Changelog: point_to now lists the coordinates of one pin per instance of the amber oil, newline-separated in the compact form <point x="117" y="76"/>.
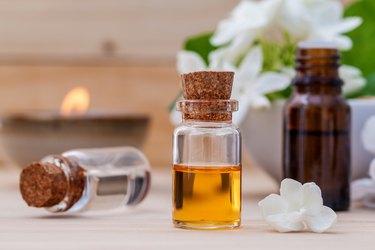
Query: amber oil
<point x="207" y="196"/>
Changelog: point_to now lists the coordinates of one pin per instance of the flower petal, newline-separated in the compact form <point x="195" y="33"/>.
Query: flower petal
<point x="291" y="191"/>
<point x="344" y="25"/>
<point x="251" y="65"/>
<point x="247" y="17"/>
<point x="372" y="170"/>
<point x="368" y="135"/>
<point x="188" y="61"/>
<point x="294" y="17"/>
<point x="217" y="59"/>
<point x="273" y="204"/>
<point x="312" y="198"/>
<point x="288" y="222"/>
<point x="361" y="188"/>
<point x="175" y="116"/>
<point x="352" y="77"/>
<point x="329" y="12"/>
<point x="258" y="101"/>
<point x="271" y="82"/>
<point x="321" y="221"/>
<point x="342" y="42"/>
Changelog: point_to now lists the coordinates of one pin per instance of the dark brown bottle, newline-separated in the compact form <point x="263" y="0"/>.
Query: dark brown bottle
<point x="317" y="125"/>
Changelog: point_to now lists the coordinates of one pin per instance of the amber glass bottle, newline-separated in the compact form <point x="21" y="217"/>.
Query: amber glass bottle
<point x="317" y="125"/>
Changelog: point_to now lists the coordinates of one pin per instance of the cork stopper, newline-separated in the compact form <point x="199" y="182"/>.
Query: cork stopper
<point x="207" y="85"/>
<point x="43" y="184"/>
<point x="207" y="96"/>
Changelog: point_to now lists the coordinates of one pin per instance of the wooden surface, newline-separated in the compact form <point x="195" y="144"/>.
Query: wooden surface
<point x="149" y="225"/>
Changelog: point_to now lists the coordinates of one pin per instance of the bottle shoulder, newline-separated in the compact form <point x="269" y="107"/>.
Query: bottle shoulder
<point x="306" y="100"/>
<point x="113" y="158"/>
<point x="207" y="128"/>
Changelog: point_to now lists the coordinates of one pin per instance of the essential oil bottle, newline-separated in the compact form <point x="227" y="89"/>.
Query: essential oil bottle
<point x="317" y="125"/>
<point x="87" y="179"/>
<point x="207" y="155"/>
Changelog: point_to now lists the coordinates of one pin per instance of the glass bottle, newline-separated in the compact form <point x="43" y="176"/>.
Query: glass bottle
<point x="317" y="125"/>
<point x="206" y="161"/>
<point x="87" y="179"/>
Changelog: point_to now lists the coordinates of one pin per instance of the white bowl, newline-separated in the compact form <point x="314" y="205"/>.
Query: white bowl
<point x="262" y="136"/>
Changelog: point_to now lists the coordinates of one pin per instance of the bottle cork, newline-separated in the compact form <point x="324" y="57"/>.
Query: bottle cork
<point x="207" y="96"/>
<point x="207" y="85"/>
<point x="43" y="185"/>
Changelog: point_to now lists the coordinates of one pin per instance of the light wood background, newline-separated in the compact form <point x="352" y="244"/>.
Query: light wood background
<point x="134" y="31"/>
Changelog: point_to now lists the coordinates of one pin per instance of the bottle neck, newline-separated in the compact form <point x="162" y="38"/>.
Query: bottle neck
<point x="207" y="123"/>
<point x="317" y="89"/>
<point x="317" y="66"/>
<point x="219" y="118"/>
<point x="213" y="111"/>
<point x="76" y="182"/>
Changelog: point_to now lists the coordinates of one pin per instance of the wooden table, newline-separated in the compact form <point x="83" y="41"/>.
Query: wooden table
<point x="149" y="225"/>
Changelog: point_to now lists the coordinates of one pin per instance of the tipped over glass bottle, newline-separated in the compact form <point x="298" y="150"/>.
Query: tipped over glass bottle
<point x="317" y="125"/>
<point x="87" y="179"/>
<point x="207" y="155"/>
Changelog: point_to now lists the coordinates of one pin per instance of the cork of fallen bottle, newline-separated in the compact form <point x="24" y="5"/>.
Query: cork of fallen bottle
<point x="207" y="85"/>
<point x="46" y="185"/>
<point x="43" y="185"/>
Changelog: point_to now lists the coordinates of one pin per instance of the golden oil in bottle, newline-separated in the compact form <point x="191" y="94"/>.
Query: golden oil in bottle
<point x="207" y="154"/>
<point x="207" y="196"/>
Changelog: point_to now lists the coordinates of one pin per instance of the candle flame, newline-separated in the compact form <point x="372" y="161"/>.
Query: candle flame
<point x="76" y="102"/>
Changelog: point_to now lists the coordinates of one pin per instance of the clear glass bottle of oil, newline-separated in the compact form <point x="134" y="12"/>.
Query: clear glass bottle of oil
<point x="207" y="166"/>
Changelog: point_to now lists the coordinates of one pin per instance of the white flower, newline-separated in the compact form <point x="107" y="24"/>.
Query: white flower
<point x="368" y="135"/>
<point x="188" y="61"/>
<point x="364" y="189"/>
<point x="352" y="77"/>
<point x="317" y="20"/>
<point x="302" y="19"/>
<point x="232" y="53"/>
<point x="246" y="19"/>
<point x="251" y="85"/>
<point x="296" y="208"/>
<point x="328" y="24"/>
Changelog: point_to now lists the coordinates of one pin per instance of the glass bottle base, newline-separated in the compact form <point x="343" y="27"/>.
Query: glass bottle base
<point x="207" y="225"/>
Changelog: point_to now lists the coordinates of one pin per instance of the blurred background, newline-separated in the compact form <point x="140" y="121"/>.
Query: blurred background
<point x="122" y="51"/>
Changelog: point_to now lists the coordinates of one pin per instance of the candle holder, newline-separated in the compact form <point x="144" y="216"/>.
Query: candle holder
<point x="27" y="137"/>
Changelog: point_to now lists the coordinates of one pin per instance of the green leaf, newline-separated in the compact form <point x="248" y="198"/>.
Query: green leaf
<point x="200" y="44"/>
<point x="282" y="94"/>
<point x="363" y="51"/>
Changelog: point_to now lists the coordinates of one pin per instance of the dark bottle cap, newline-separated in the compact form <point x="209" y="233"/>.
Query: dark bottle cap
<point x="43" y="184"/>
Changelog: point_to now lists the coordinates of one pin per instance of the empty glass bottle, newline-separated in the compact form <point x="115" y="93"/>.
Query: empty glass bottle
<point x="317" y="125"/>
<point x="84" y="179"/>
